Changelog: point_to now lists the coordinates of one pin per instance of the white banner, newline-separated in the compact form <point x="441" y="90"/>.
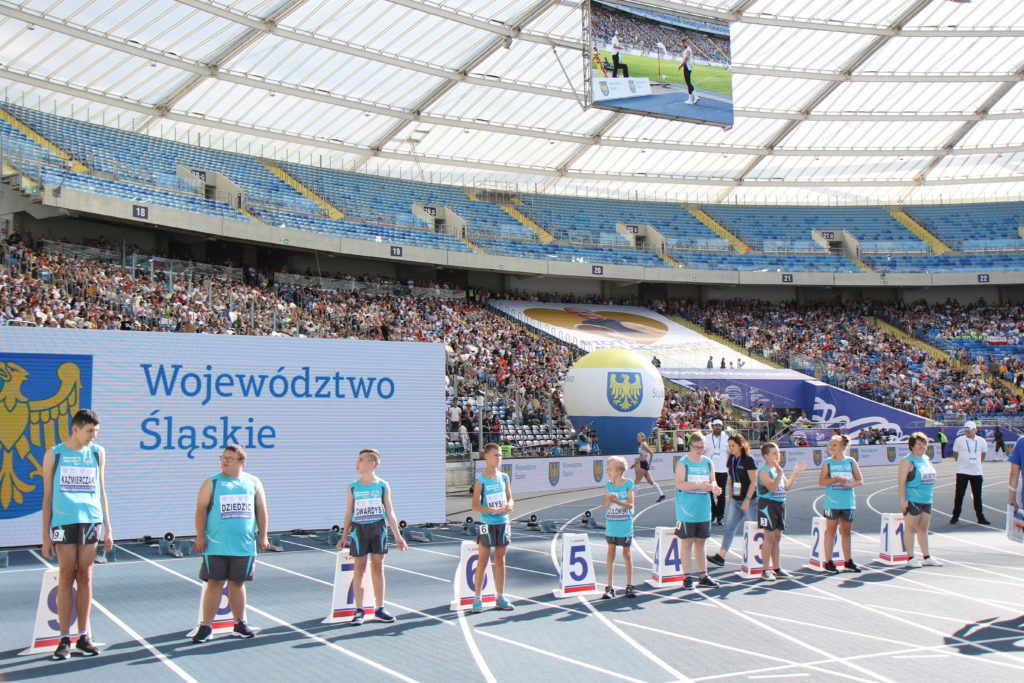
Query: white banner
<point x="169" y="403"/>
<point x="591" y="327"/>
<point x="616" y="88"/>
<point x="531" y="475"/>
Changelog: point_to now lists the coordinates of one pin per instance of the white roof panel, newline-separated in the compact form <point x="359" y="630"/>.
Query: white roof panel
<point x="854" y="101"/>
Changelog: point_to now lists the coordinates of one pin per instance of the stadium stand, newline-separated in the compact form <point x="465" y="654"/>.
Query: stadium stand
<point x="985" y="237"/>
<point x="974" y="227"/>
<point x="852" y="353"/>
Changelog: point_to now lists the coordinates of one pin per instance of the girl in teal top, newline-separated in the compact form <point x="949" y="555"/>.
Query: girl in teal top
<point x="839" y="475"/>
<point x="492" y="498"/>
<point x="772" y="485"/>
<point x="695" y="480"/>
<point x="915" y="481"/>
<point x="619" y="502"/>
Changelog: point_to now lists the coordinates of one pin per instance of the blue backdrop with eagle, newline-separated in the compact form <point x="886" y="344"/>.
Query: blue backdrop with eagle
<point x="39" y="394"/>
<point x="616" y="392"/>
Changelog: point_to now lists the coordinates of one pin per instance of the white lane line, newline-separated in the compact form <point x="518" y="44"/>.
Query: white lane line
<point x="386" y="566"/>
<point x="282" y="622"/>
<point x="797" y="641"/>
<point x="888" y="614"/>
<point x="184" y="675"/>
<point x="873" y="655"/>
<point x="650" y="656"/>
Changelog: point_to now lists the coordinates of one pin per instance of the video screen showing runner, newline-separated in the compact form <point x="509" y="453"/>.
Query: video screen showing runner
<point x="645" y="60"/>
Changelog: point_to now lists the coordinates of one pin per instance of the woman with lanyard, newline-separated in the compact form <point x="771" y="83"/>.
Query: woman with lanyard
<point x="839" y="474"/>
<point x="742" y="471"/>
<point x="916" y="479"/>
<point x="771" y="507"/>
<point x="642" y="465"/>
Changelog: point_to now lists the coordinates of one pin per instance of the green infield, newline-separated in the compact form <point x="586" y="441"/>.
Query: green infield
<point x="716" y="79"/>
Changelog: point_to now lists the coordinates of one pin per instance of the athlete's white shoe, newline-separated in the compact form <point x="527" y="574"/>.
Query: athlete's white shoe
<point x="914" y="563"/>
<point x="931" y="562"/>
<point x="696" y="98"/>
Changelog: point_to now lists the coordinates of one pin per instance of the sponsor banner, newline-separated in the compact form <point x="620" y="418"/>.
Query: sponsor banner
<point x="616" y="88"/>
<point x="532" y="475"/>
<point x="170" y="403"/>
<point x="822" y="403"/>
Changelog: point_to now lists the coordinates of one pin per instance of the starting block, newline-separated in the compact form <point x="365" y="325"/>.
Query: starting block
<point x="532" y="522"/>
<point x="465" y="577"/>
<point x="549" y="527"/>
<point x="223" y="621"/>
<point x="667" y="561"/>
<point x="343" y="597"/>
<point x="418" y="535"/>
<point x="334" y="535"/>
<point x="472" y="530"/>
<point x="589" y="520"/>
<point x="275" y="543"/>
<point x="753" y="564"/>
<point x="577" y="576"/>
<point x="816" y="560"/>
<point x="4" y="558"/>
<point x="167" y="546"/>
<point x="46" y="632"/>
<point x="893" y="545"/>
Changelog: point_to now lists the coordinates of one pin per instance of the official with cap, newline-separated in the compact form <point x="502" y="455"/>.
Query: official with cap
<point x="969" y="452"/>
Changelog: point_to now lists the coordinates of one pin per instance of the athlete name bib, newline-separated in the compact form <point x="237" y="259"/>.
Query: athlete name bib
<point x="616" y="512"/>
<point x="698" y="479"/>
<point x="236" y="506"/>
<point x="78" y="479"/>
<point x="846" y="477"/>
<point x="927" y="476"/>
<point x="496" y="500"/>
<point x="368" y="509"/>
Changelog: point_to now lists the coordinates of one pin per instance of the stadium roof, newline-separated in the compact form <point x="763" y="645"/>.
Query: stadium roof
<point x="843" y="102"/>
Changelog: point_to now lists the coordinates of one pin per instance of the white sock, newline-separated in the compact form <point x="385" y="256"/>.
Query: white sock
<point x="658" y="489"/>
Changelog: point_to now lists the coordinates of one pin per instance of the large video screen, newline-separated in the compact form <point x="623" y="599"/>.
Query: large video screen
<point x="170" y="403"/>
<point x="651" y="61"/>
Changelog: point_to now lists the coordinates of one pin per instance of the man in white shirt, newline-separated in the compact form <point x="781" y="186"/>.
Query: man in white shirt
<point x="454" y="416"/>
<point x="617" y="63"/>
<point x="717" y="448"/>
<point x="969" y="452"/>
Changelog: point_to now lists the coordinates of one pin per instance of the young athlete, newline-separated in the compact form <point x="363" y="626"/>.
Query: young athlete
<point x="231" y="525"/>
<point x="695" y="479"/>
<point x="742" y="476"/>
<point x="365" y="532"/>
<point x="916" y="479"/>
<point x="772" y="485"/>
<point x="492" y="498"/>
<point x="642" y="465"/>
<point x="75" y="517"/>
<point x="839" y="474"/>
<point x="618" y="522"/>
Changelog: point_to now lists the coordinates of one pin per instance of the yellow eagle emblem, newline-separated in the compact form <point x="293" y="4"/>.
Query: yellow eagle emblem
<point x="25" y="423"/>
<point x="625" y="390"/>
